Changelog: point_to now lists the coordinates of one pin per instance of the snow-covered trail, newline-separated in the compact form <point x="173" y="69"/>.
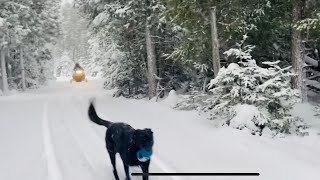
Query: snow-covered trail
<point x="45" y="134"/>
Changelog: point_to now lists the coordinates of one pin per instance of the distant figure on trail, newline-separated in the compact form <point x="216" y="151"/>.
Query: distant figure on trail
<point x="77" y="67"/>
<point x="78" y="74"/>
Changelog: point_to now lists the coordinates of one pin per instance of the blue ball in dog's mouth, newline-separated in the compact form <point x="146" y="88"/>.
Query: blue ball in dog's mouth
<point x="143" y="155"/>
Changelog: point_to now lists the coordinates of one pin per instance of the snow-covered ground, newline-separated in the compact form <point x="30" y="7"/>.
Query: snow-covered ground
<point x="45" y="134"/>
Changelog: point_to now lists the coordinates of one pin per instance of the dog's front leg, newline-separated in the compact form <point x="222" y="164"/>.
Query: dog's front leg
<point x="126" y="169"/>
<point x="145" y="169"/>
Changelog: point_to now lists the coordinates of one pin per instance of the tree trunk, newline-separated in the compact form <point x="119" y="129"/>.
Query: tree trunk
<point x="4" y="71"/>
<point x="215" y="42"/>
<point x="205" y="83"/>
<point x="23" y="76"/>
<point x="73" y="54"/>
<point x="9" y="67"/>
<point x="297" y="57"/>
<point x="152" y="66"/>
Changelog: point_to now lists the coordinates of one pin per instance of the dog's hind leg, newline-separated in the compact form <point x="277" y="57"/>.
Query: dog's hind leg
<point x="113" y="162"/>
<point x="145" y="169"/>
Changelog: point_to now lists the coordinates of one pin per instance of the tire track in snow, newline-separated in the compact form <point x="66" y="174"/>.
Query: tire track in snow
<point x="70" y="156"/>
<point x="75" y="140"/>
<point x="82" y="140"/>
<point x="54" y="172"/>
<point x="159" y="163"/>
<point x="91" y="125"/>
<point x="155" y="159"/>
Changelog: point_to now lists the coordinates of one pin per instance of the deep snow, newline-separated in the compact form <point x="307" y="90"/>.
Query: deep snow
<point x="45" y="134"/>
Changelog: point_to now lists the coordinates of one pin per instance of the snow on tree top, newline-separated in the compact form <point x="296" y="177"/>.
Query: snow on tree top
<point x="233" y="66"/>
<point x="122" y="10"/>
<point x="100" y="19"/>
<point x="246" y="116"/>
<point x="271" y="63"/>
<point x="1" y="22"/>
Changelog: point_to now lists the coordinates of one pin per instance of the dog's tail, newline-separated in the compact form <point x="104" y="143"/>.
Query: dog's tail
<point x="95" y="118"/>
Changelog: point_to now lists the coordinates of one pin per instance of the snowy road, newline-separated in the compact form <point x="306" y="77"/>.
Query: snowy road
<point x="45" y="134"/>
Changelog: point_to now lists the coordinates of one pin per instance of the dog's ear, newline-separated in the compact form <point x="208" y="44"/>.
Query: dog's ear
<point x="149" y="131"/>
<point x="146" y="131"/>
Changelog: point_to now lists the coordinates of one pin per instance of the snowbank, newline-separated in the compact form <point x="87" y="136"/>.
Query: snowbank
<point x="171" y="100"/>
<point x="306" y="111"/>
<point x="245" y="117"/>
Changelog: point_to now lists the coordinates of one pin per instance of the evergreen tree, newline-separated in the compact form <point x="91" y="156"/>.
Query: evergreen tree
<point x="31" y="26"/>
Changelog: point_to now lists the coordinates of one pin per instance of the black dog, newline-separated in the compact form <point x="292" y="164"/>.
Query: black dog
<point x="128" y="142"/>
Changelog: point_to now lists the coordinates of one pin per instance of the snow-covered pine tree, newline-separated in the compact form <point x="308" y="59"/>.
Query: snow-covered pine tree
<point x="105" y="58"/>
<point x="308" y="23"/>
<point x="253" y="97"/>
<point x="31" y="25"/>
<point x="125" y="22"/>
<point x="65" y="66"/>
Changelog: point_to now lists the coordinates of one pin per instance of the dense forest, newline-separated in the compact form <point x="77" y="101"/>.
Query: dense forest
<point x="219" y="53"/>
<point x="27" y="28"/>
<point x="164" y="45"/>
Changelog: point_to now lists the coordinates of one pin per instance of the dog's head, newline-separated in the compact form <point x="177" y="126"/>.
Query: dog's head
<point x="144" y="139"/>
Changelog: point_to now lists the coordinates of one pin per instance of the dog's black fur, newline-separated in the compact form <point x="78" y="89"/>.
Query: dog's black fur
<point x="123" y="139"/>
